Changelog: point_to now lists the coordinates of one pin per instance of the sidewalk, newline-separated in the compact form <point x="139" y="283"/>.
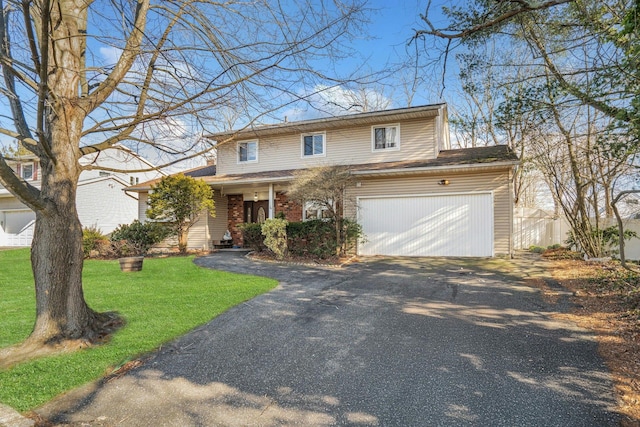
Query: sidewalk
<point x="9" y="417"/>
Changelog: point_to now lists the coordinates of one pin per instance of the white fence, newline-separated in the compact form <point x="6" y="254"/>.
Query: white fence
<point x="535" y="228"/>
<point x="536" y="231"/>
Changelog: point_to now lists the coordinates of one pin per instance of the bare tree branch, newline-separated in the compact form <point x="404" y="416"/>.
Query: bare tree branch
<point x="489" y="22"/>
<point x="129" y="54"/>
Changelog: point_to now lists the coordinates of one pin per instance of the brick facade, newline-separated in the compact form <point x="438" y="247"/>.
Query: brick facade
<point x="235" y="216"/>
<point x="291" y="209"/>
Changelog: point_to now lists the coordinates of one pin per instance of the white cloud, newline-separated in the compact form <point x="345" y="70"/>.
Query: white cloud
<point x="337" y="100"/>
<point x="110" y="54"/>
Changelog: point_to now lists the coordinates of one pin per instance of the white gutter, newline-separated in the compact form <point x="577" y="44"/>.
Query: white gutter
<point x="456" y="168"/>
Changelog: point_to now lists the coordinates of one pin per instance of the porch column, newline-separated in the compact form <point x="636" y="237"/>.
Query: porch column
<point x="271" y="202"/>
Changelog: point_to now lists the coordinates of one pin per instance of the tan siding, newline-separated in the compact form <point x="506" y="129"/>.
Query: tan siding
<point x="209" y="228"/>
<point x="142" y="206"/>
<point x="218" y="224"/>
<point x="199" y="234"/>
<point x="343" y="146"/>
<point x="497" y="182"/>
<point x="205" y="230"/>
<point x="11" y="203"/>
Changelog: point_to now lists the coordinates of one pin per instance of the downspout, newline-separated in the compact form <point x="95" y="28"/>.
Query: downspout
<point x="437" y="137"/>
<point x="511" y="197"/>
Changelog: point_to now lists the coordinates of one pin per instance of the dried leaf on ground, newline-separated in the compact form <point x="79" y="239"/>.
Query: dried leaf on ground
<point x="607" y="300"/>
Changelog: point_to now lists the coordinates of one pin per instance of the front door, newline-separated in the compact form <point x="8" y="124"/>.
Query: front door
<point x="256" y="211"/>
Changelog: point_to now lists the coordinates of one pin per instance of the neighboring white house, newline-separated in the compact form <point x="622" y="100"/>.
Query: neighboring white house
<point x="101" y="199"/>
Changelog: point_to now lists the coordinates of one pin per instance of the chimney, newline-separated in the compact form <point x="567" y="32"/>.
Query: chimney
<point x="211" y="160"/>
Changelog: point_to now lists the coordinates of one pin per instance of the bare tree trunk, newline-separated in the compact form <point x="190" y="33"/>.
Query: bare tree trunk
<point x="56" y="258"/>
<point x="56" y="251"/>
<point x="579" y="216"/>
<point x="339" y="228"/>
<point x="614" y="207"/>
<point x="183" y="239"/>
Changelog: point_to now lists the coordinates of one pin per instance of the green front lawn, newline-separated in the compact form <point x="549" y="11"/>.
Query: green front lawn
<point x="169" y="297"/>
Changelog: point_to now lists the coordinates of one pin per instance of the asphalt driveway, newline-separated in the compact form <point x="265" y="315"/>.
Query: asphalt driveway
<point x="387" y="342"/>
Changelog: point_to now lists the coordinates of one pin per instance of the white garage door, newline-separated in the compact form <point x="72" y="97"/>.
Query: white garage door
<point x="451" y="225"/>
<point x="16" y="227"/>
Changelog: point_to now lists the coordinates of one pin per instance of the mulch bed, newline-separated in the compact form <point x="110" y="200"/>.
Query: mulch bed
<point x="303" y="260"/>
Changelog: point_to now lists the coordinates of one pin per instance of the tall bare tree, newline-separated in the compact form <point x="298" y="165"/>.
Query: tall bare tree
<point x="607" y="30"/>
<point x="480" y="118"/>
<point x="79" y="76"/>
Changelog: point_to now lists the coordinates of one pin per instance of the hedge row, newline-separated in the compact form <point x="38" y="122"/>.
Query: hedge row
<point x="316" y="238"/>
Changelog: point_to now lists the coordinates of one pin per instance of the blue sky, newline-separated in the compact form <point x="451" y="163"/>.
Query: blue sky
<point x="392" y="26"/>
<point x="383" y="43"/>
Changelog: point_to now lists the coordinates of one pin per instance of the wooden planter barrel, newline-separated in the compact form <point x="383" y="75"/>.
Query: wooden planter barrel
<point x="131" y="263"/>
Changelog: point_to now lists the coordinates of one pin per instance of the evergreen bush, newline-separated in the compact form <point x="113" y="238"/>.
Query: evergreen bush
<point x="138" y="237"/>
<point x="275" y="236"/>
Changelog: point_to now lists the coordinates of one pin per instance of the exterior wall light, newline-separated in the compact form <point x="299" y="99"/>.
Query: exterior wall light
<point x="255" y="196"/>
<point x="444" y="182"/>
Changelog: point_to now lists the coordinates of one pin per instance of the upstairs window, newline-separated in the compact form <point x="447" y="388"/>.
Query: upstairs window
<point x="385" y="137"/>
<point x="313" y="145"/>
<point x="27" y="172"/>
<point x="247" y="151"/>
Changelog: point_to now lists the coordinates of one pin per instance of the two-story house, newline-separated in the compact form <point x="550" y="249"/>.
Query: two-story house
<point x="415" y="196"/>
<point x="101" y="199"/>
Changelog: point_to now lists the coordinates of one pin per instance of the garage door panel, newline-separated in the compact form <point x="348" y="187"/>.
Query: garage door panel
<point x="17" y="222"/>
<point x="16" y="228"/>
<point x="452" y="225"/>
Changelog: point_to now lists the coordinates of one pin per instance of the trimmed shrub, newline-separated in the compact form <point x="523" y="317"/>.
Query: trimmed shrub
<point x="352" y="235"/>
<point x="137" y="238"/>
<point x="252" y="236"/>
<point x="275" y="236"/>
<point x="608" y="239"/>
<point x="93" y="241"/>
<point x="312" y="238"/>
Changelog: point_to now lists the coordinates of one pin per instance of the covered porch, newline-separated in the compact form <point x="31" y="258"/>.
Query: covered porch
<point x="251" y="202"/>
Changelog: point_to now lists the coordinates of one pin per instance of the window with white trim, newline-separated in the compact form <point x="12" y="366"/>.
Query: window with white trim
<point x="26" y="171"/>
<point x="247" y="151"/>
<point x="313" y="145"/>
<point x="386" y="137"/>
<point x="313" y="210"/>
